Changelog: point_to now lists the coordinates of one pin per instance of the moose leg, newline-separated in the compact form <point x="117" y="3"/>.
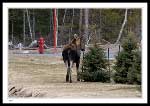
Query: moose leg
<point x="70" y="71"/>
<point x="67" y="75"/>
<point x="77" y="69"/>
<point x="70" y="75"/>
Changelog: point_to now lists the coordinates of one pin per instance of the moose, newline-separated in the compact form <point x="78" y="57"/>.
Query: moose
<point x="71" y="54"/>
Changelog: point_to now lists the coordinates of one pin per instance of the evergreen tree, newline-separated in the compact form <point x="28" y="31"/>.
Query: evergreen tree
<point x="94" y="65"/>
<point x="104" y="23"/>
<point x="128" y="65"/>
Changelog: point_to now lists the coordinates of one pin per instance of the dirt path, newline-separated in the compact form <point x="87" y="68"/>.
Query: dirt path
<point x="41" y="75"/>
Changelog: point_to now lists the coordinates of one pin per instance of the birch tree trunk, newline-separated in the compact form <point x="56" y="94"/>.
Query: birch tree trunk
<point x="100" y="26"/>
<point x="33" y="25"/>
<point x="24" y="27"/>
<point x="62" y="28"/>
<point x="50" y="25"/>
<point x="80" y="22"/>
<point x="86" y="11"/>
<point x="56" y="27"/>
<point x="12" y="32"/>
<point x="123" y="24"/>
<point x="29" y="24"/>
<point x="71" y="26"/>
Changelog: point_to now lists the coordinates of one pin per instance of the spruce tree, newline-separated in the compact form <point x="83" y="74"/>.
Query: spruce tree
<point x="128" y="62"/>
<point x="94" y="65"/>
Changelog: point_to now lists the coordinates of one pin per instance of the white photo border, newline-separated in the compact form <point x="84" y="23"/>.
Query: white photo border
<point x="142" y="6"/>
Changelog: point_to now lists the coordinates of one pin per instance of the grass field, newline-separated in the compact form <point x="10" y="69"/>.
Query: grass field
<point x="45" y="75"/>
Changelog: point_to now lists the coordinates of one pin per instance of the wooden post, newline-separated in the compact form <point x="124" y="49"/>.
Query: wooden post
<point x="82" y="61"/>
<point x="108" y="63"/>
<point x="119" y="48"/>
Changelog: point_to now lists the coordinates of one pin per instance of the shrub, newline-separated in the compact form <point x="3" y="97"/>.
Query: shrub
<point x="128" y="65"/>
<point x="94" y="65"/>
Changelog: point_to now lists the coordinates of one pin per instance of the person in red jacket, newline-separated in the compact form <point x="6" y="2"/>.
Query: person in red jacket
<point x="41" y="45"/>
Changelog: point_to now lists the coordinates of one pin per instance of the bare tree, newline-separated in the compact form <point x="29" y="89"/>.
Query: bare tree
<point x="12" y="31"/>
<point x="29" y="24"/>
<point x="71" y="25"/>
<point x="123" y="24"/>
<point x="62" y="27"/>
<point x="100" y="25"/>
<point x="24" y="27"/>
<point x="80" y="22"/>
<point x="86" y="12"/>
<point x="56" y="27"/>
<point x="33" y="30"/>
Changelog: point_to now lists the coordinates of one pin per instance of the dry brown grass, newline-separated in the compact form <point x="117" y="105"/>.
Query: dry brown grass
<point x="47" y="76"/>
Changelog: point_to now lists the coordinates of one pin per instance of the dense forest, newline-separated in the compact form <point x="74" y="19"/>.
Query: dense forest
<point x="111" y="25"/>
